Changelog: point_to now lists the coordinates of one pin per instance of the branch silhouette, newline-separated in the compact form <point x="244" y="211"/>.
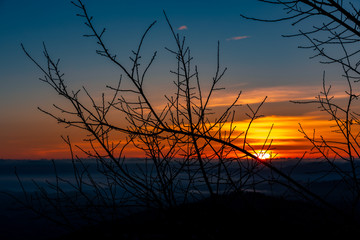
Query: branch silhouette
<point x="331" y="29"/>
<point x="190" y="153"/>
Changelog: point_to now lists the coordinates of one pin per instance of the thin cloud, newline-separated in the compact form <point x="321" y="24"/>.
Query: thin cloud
<point x="237" y="38"/>
<point x="275" y="94"/>
<point x="184" y="27"/>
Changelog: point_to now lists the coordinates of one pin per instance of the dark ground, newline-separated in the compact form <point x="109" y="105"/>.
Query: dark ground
<point x="234" y="216"/>
<point x="18" y="223"/>
<point x="230" y="217"/>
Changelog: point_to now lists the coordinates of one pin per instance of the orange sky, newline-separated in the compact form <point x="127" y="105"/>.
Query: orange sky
<point x="38" y="136"/>
<point x="287" y="141"/>
<point x="34" y="135"/>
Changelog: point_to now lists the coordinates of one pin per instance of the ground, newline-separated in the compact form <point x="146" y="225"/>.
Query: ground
<point x="226" y="217"/>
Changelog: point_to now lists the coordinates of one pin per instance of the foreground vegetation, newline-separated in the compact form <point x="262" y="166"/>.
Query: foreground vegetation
<point x="191" y="153"/>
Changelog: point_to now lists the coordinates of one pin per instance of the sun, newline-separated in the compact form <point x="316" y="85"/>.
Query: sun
<point x="263" y="155"/>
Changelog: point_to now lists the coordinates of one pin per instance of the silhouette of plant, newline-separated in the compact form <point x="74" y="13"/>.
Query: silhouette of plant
<point x="332" y="29"/>
<point x="191" y="153"/>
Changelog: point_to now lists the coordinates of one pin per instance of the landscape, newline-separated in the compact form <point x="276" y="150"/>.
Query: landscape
<point x="179" y="120"/>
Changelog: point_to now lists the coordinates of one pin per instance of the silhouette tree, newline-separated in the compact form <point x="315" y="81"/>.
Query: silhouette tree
<point x="332" y="29"/>
<point x="191" y="153"/>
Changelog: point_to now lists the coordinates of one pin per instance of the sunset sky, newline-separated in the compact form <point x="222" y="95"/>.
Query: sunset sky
<point x="260" y="63"/>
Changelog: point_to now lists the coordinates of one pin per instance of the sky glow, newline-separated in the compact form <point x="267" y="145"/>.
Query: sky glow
<point x="261" y="63"/>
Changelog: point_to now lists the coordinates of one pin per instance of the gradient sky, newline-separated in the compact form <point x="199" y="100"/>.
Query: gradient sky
<point x="260" y="62"/>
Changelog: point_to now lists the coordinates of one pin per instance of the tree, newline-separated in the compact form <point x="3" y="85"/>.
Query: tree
<point x="191" y="153"/>
<point x="334" y="38"/>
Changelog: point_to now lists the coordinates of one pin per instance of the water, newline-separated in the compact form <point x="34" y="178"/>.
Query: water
<point x="41" y="174"/>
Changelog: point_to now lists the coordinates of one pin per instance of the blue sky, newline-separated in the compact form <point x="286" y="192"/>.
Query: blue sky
<point x="259" y="62"/>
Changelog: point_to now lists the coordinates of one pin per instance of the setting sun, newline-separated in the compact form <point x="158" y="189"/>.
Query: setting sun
<point x="263" y="155"/>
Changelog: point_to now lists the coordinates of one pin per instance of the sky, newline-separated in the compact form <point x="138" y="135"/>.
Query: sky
<point x="260" y="63"/>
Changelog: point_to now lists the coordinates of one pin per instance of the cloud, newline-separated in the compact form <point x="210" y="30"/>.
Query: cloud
<point x="184" y="27"/>
<point x="275" y="94"/>
<point x="237" y="38"/>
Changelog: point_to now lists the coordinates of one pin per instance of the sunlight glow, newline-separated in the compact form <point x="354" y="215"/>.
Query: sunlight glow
<point x="263" y="155"/>
<point x="284" y="139"/>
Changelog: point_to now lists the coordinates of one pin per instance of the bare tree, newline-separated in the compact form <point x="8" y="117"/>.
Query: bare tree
<point x="191" y="153"/>
<point x="332" y="29"/>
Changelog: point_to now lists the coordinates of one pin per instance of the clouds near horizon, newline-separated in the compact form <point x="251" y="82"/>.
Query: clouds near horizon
<point x="276" y="94"/>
